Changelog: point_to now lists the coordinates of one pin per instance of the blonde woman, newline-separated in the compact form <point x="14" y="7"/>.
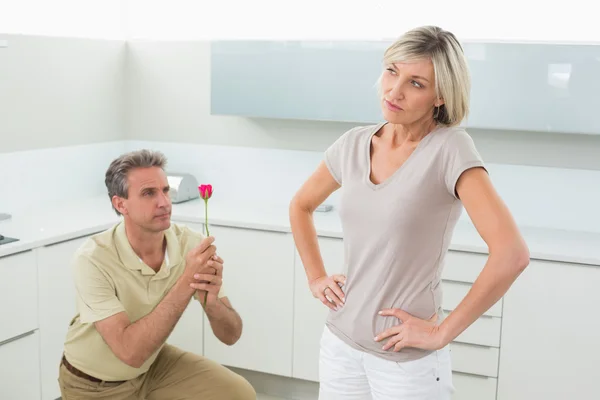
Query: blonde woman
<point x="404" y="184"/>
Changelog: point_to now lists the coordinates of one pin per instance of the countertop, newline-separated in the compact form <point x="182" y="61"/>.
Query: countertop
<point x="53" y="223"/>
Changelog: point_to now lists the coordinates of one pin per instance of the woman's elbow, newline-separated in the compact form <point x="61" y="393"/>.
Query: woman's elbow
<point x="519" y="257"/>
<point x="297" y="205"/>
<point x="522" y="259"/>
<point x="514" y="256"/>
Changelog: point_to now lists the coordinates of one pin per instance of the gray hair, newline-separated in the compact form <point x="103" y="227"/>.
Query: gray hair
<point x="452" y="77"/>
<point x="116" y="174"/>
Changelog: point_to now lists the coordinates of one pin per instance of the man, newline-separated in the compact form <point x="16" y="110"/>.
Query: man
<point x="133" y="283"/>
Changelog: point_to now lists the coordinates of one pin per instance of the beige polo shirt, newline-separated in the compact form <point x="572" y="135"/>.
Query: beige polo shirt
<point x="110" y="278"/>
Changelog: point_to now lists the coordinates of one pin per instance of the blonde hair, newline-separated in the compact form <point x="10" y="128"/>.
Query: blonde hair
<point x="452" y="78"/>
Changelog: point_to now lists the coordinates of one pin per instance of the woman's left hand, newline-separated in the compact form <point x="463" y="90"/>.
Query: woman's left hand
<point x="412" y="332"/>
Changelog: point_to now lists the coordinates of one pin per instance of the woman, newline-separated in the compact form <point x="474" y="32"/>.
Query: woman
<point x="405" y="182"/>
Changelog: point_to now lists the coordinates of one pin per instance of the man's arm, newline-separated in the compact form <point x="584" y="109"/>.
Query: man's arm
<point x="225" y="322"/>
<point x="134" y="343"/>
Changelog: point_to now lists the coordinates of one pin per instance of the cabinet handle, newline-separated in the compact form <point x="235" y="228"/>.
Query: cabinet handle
<point x="471" y="375"/>
<point x="21" y="336"/>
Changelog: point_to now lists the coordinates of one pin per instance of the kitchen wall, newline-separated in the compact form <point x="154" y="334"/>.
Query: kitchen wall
<point x="169" y="100"/>
<point x="57" y="91"/>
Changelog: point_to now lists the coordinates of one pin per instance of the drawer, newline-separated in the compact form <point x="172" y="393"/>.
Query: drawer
<point x="485" y="332"/>
<point x="18" y="294"/>
<point x="19" y="363"/>
<point x="463" y="267"/>
<point x="472" y="387"/>
<point x="455" y="292"/>
<point x="473" y="359"/>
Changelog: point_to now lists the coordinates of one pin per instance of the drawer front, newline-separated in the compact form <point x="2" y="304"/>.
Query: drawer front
<point x="472" y="387"/>
<point x="19" y="363"/>
<point x="477" y="360"/>
<point x="18" y="294"/>
<point x="463" y="267"/>
<point x="455" y="292"/>
<point x="485" y="331"/>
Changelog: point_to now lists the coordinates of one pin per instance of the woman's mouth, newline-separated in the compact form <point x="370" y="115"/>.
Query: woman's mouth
<point x="392" y="107"/>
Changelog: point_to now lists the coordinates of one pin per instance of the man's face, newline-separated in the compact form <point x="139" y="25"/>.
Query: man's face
<point x="148" y="204"/>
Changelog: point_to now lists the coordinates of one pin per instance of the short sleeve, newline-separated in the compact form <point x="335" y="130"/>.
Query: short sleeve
<point x="334" y="157"/>
<point x="460" y="155"/>
<point x="96" y="295"/>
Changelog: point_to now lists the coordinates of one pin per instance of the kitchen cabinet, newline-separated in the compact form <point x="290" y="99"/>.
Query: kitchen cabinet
<point x="18" y="294"/>
<point x="296" y="79"/>
<point x="19" y="347"/>
<point x="336" y="81"/>
<point x="550" y="333"/>
<point x="19" y="361"/>
<point x="57" y="306"/>
<point x="259" y="278"/>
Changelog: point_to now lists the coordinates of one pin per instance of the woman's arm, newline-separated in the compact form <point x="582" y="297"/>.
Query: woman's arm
<point x="508" y="253"/>
<point x="508" y="257"/>
<point x="311" y="194"/>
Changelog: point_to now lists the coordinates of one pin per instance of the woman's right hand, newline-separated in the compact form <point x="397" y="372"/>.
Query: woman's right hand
<point x="328" y="290"/>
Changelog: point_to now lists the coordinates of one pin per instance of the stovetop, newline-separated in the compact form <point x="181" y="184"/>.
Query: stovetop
<point x="6" y="239"/>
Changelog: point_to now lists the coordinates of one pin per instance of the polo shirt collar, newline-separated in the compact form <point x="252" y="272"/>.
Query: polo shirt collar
<point x="131" y="260"/>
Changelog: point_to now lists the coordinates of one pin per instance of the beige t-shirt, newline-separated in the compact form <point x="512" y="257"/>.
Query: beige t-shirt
<point x="396" y="233"/>
<point x="110" y="278"/>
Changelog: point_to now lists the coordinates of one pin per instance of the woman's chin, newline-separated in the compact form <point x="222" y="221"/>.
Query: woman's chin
<point x="393" y="117"/>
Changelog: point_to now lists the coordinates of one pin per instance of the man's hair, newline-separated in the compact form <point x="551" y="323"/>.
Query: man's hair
<point x="116" y="174"/>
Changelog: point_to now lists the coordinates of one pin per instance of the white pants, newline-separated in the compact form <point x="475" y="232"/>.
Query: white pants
<point x="348" y="374"/>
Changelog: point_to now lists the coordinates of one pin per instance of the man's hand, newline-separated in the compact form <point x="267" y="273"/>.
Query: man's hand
<point x="209" y="279"/>
<point x="197" y="259"/>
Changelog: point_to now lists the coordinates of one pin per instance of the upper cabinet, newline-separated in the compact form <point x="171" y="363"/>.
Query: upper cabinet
<point x="515" y="86"/>
<point x="327" y="81"/>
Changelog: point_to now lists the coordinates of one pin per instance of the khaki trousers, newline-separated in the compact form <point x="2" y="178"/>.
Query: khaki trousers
<point x="175" y="375"/>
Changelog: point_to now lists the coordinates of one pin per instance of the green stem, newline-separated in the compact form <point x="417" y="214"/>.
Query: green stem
<point x="207" y="235"/>
<point x="206" y="217"/>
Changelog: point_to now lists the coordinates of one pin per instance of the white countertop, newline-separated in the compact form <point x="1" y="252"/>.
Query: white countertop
<point x="54" y="223"/>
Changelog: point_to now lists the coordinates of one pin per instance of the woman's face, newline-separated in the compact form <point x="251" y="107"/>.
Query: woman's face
<point x="408" y="90"/>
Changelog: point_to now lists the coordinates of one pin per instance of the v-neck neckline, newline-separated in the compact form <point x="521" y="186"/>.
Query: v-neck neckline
<point x="385" y="182"/>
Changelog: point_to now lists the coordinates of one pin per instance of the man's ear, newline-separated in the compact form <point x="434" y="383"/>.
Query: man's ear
<point x="119" y="204"/>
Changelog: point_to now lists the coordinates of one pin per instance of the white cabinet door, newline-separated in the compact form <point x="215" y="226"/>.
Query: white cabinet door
<point x="56" y="308"/>
<point x="473" y="387"/>
<point x="188" y="333"/>
<point x="20" y="375"/>
<point x="18" y="296"/>
<point x="550" y="332"/>
<point x="258" y="277"/>
<point x="310" y="313"/>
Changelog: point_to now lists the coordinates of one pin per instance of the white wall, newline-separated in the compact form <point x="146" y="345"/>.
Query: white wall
<point x="31" y="178"/>
<point x="60" y="91"/>
<point x="531" y="20"/>
<point x="97" y="19"/>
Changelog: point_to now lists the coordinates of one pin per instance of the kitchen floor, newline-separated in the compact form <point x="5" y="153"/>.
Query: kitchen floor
<point x="267" y="397"/>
